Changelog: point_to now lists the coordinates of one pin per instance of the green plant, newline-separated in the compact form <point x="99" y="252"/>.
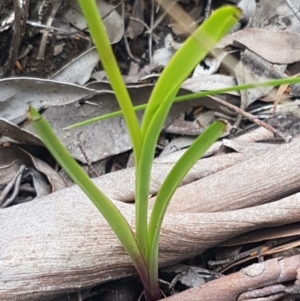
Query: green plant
<point x="142" y="246"/>
<point x="271" y="83"/>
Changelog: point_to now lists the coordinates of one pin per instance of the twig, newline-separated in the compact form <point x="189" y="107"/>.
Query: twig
<point x="150" y="35"/>
<point x="142" y="22"/>
<point x="61" y="31"/>
<point x="293" y="8"/>
<point x="21" y="15"/>
<point x="207" y="9"/>
<point x="252" y="118"/>
<point x="113" y="9"/>
<point x="43" y="44"/>
<point x="125" y="39"/>
<point x="149" y="29"/>
<point x="157" y="22"/>
<point x="24" y="18"/>
<point x="255" y="252"/>
<point x="88" y="162"/>
<point x="141" y="296"/>
<point x="179" y="15"/>
<point x="16" y="40"/>
<point x="25" y="52"/>
<point x="51" y="28"/>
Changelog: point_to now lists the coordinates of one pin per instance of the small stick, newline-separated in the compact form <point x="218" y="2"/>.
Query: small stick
<point x="24" y="18"/>
<point x="293" y="8"/>
<point x="42" y="49"/>
<point x="113" y="9"/>
<point x="208" y="9"/>
<point x="66" y="32"/>
<point x="26" y="51"/>
<point x="150" y="36"/>
<point x="125" y="39"/>
<point x="88" y="162"/>
<point x="252" y="118"/>
<point x="15" y="43"/>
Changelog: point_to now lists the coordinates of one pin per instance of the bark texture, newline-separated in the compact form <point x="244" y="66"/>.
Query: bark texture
<point x="60" y="243"/>
<point x="261" y="281"/>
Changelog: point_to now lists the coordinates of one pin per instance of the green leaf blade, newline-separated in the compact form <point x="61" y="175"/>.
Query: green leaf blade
<point x="186" y="58"/>
<point x="174" y="178"/>
<point x="180" y="170"/>
<point x="269" y="83"/>
<point x="194" y="49"/>
<point x="108" y="60"/>
<point x="112" y="215"/>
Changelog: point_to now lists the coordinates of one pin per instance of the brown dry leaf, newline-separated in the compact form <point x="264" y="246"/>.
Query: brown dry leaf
<point x="273" y="46"/>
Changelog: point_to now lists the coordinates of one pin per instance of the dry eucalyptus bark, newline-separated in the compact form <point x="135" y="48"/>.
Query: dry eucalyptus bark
<point x="61" y="243"/>
<point x="120" y="185"/>
<point x="259" y="180"/>
<point x="257" y="282"/>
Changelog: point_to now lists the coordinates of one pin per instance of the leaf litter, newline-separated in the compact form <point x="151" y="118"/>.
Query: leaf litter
<point x="265" y="43"/>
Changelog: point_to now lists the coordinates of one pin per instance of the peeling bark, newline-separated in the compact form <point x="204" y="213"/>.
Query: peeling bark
<point x="261" y="280"/>
<point x="60" y="243"/>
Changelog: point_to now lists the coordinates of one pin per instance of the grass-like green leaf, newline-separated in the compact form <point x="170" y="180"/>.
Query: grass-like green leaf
<point x="194" y="49"/>
<point x="112" y="215"/>
<point x="170" y="184"/>
<point x="143" y="247"/>
<point x="270" y="83"/>
<point x="108" y="60"/>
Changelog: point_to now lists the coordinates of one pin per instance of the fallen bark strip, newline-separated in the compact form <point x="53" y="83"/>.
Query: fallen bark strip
<point x="120" y="185"/>
<point x="264" y="234"/>
<point x="259" y="180"/>
<point x="61" y="243"/>
<point x="258" y="280"/>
